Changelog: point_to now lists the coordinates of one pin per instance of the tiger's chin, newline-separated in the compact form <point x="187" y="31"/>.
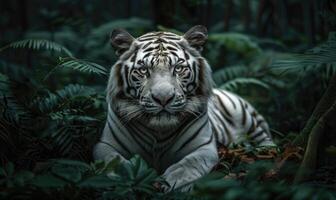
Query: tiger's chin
<point x="164" y="121"/>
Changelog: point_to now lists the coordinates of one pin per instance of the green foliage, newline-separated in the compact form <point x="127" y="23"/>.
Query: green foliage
<point x="230" y="78"/>
<point x="316" y="59"/>
<point x="75" y="179"/>
<point x="239" y="43"/>
<point x="69" y="179"/>
<point x="130" y="24"/>
<point x="48" y="114"/>
<point x="214" y="186"/>
<point x="38" y="44"/>
<point x="82" y="66"/>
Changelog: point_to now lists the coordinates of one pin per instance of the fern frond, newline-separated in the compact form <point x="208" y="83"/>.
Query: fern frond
<point x="10" y="108"/>
<point x="233" y="85"/>
<point x="38" y="44"/>
<point x="71" y="115"/>
<point x="321" y="56"/>
<point x="4" y="84"/>
<point x="229" y="73"/>
<point x="237" y="42"/>
<point x="83" y="66"/>
<point x="56" y="101"/>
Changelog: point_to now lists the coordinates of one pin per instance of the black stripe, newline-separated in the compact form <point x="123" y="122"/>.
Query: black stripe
<point x="146" y="45"/>
<point x="257" y="135"/>
<point x="138" y="133"/>
<point x="146" y="39"/>
<point x="171" y="48"/>
<point x="172" y="38"/>
<point x="259" y="122"/>
<point x="252" y="127"/>
<point x="147" y="54"/>
<point x="186" y="55"/>
<point x="176" y="133"/>
<point x="117" y="139"/>
<point x="139" y="142"/>
<point x="224" y="107"/>
<point x="160" y="40"/>
<point x="226" y="112"/>
<point x="127" y="75"/>
<point x="204" y="144"/>
<point x="148" y="35"/>
<point x="172" y="43"/>
<point x="234" y="105"/>
<point x="172" y="52"/>
<point x="182" y="129"/>
<point x="149" y="49"/>
<point x="193" y="136"/>
<point x="170" y="61"/>
<point x="263" y="139"/>
<point x="244" y="112"/>
<point x="214" y="130"/>
<point x="225" y="127"/>
<point x="254" y="114"/>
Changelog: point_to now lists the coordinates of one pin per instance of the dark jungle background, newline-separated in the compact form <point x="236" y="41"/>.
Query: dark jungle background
<point x="54" y="62"/>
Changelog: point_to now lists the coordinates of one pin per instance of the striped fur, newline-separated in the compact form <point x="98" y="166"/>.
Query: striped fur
<point x="161" y="105"/>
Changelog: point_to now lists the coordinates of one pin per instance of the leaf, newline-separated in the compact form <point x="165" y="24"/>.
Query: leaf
<point x="9" y="169"/>
<point x="323" y="56"/>
<point x="73" y="163"/>
<point x="233" y="85"/>
<point x="83" y="66"/>
<point x="69" y="173"/>
<point x="48" y="181"/>
<point x="37" y="44"/>
<point x="23" y="176"/>
<point x="100" y="181"/>
<point x="236" y="42"/>
<point x="228" y="73"/>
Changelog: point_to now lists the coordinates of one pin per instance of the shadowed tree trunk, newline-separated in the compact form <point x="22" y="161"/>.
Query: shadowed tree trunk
<point x="310" y="138"/>
<point x="206" y="13"/>
<point x="227" y="14"/>
<point x="24" y="24"/>
<point x="164" y="12"/>
<point x="246" y="15"/>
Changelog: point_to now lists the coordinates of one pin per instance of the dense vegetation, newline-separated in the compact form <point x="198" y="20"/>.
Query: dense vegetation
<point x="54" y="63"/>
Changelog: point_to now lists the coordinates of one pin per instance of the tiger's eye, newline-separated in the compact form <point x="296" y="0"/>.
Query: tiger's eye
<point x="178" y="68"/>
<point x="143" y="70"/>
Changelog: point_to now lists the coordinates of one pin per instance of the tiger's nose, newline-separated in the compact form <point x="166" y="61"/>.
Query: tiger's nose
<point x="163" y="98"/>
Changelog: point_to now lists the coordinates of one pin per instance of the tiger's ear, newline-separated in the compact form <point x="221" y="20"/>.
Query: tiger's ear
<point x="197" y="36"/>
<point x="121" y="40"/>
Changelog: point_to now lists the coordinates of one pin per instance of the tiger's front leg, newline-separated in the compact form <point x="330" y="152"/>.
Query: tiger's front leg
<point x="195" y="165"/>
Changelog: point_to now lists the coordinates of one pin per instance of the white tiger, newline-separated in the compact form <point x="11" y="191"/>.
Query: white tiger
<point x="162" y="106"/>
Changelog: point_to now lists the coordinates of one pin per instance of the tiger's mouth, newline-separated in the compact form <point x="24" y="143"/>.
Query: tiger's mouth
<point x="164" y="119"/>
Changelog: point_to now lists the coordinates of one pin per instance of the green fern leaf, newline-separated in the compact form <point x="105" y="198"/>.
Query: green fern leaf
<point x="83" y="66"/>
<point x="56" y="101"/>
<point x="233" y="85"/>
<point x="37" y="44"/>
<point x="228" y="73"/>
<point x="323" y="56"/>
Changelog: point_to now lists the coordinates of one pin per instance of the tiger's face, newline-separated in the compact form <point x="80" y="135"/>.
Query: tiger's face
<point x="160" y="77"/>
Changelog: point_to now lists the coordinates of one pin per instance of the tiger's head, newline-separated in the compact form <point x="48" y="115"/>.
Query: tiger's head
<point x="160" y="78"/>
